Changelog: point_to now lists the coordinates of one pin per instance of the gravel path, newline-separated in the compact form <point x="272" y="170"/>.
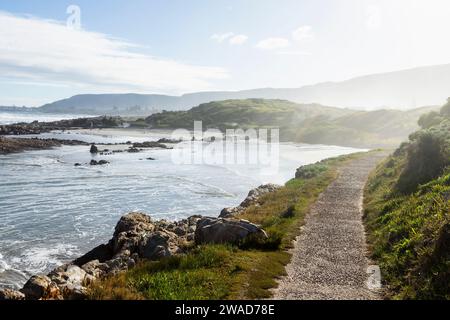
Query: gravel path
<point x="329" y="259"/>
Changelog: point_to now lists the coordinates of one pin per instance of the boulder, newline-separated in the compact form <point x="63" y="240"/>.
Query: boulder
<point x="218" y="230"/>
<point x="93" y="149"/>
<point x="75" y="275"/>
<point x="36" y="287"/>
<point x="9" y="294"/>
<point x="157" y="245"/>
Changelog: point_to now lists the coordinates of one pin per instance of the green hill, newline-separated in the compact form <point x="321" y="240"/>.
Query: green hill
<point x="407" y="211"/>
<point x="307" y="123"/>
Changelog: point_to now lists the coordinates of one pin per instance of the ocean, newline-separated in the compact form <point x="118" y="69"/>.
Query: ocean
<point x="52" y="212"/>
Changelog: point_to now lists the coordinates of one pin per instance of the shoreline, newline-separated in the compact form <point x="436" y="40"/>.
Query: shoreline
<point x="9" y="145"/>
<point x="121" y="253"/>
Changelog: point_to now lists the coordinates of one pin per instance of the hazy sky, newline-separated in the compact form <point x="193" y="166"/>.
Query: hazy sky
<point x="178" y="46"/>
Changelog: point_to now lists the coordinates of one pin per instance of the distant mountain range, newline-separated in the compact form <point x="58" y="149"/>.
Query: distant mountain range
<point x="403" y="90"/>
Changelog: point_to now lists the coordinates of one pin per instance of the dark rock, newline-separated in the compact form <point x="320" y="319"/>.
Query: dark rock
<point x="77" y="164"/>
<point x="165" y="140"/>
<point x="93" y="149"/>
<point x="101" y="253"/>
<point x="133" y="150"/>
<point x="150" y="144"/>
<point x="217" y="230"/>
<point x="98" y="163"/>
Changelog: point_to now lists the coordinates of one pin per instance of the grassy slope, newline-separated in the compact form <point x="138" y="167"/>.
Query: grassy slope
<point x="247" y="271"/>
<point x="410" y="231"/>
<point x="309" y="123"/>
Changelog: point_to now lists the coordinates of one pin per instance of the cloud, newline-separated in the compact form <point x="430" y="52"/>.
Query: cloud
<point x="37" y="50"/>
<point x="238" y="39"/>
<point x="273" y="43"/>
<point x="221" y="37"/>
<point x="303" y="33"/>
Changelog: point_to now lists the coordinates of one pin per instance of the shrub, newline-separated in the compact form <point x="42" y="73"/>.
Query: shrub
<point x="445" y="111"/>
<point x="310" y="171"/>
<point x="430" y="119"/>
<point x="427" y="158"/>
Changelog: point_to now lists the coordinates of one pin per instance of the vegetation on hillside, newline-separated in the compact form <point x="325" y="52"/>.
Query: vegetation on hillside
<point x="246" y="271"/>
<point x="307" y="123"/>
<point x="407" y="210"/>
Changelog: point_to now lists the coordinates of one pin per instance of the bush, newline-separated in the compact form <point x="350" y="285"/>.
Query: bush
<point x="445" y="111"/>
<point x="430" y="119"/>
<point x="310" y="171"/>
<point x="427" y="158"/>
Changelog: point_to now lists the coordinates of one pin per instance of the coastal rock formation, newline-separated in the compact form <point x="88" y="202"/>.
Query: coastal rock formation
<point x="136" y="237"/>
<point x="8" y="145"/>
<point x="150" y="144"/>
<point x="218" y="230"/>
<point x="253" y="198"/>
<point x="41" y="127"/>
<point x="98" y="163"/>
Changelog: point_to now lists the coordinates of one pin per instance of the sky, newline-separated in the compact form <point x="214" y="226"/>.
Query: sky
<point x="51" y="50"/>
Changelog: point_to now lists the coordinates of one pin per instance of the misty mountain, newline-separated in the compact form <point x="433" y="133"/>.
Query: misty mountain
<point x="406" y="89"/>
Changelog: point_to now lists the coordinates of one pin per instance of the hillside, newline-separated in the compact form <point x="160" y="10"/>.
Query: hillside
<point x="308" y="123"/>
<point x="407" y="212"/>
<point x="404" y="89"/>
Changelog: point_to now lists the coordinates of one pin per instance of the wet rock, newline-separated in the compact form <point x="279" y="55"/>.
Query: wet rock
<point x="98" y="163"/>
<point x="150" y="144"/>
<point x="93" y="149"/>
<point x="218" y="230"/>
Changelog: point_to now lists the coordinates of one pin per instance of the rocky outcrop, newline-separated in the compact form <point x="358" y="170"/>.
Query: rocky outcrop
<point x="8" y="145"/>
<point x="253" y="198"/>
<point x="94" y="149"/>
<point x="98" y="163"/>
<point x="219" y="231"/>
<point x="150" y="144"/>
<point x="42" y="127"/>
<point x="136" y="237"/>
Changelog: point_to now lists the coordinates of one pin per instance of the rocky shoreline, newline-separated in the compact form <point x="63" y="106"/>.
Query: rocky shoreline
<point x="43" y="127"/>
<point x="8" y="145"/>
<point x="138" y="237"/>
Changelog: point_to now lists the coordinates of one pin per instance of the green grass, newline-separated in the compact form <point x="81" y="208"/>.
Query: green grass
<point x="246" y="271"/>
<point x="409" y="232"/>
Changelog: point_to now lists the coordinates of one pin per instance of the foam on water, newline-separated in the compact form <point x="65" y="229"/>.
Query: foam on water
<point x="52" y="212"/>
